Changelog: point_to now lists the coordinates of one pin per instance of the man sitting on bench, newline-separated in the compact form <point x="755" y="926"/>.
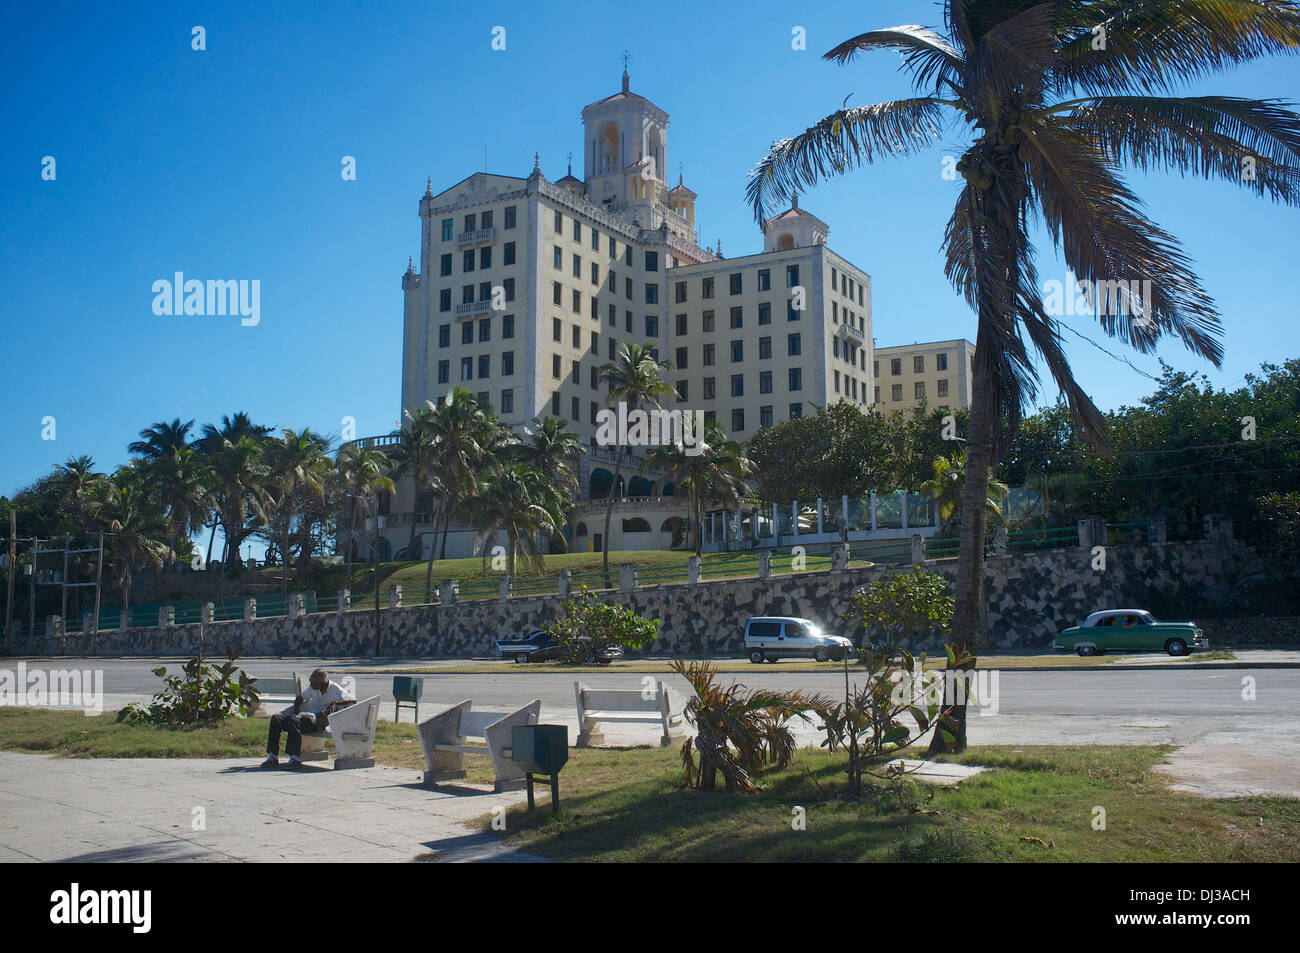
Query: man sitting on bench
<point x="310" y="712"/>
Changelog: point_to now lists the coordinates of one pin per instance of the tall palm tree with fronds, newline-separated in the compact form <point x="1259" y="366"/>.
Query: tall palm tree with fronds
<point x="552" y="449"/>
<point x="295" y="481"/>
<point x="519" y="501"/>
<point x="635" y="378"/>
<point x="945" y="489"/>
<point x="137" y="527"/>
<point x="210" y="443"/>
<point x="415" y="458"/>
<point x="161" y="439"/>
<point x="361" y="472"/>
<point x="79" y="482"/>
<point x="468" y="440"/>
<point x="239" y="473"/>
<point x="1053" y="99"/>
<point x="714" y="469"/>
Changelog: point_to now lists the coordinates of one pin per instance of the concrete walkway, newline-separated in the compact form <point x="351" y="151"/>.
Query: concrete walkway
<point x="111" y="809"/>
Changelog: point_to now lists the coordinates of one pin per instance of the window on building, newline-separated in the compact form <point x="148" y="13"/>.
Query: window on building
<point x="943" y="387"/>
<point x="708" y="355"/>
<point x="737" y="385"/>
<point x="444" y="299"/>
<point x="444" y="267"/>
<point x="467" y="333"/>
<point x="680" y="362"/>
<point x="651" y="325"/>
<point x="737" y="317"/>
<point x="765" y="382"/>
<point x="444" y="335"/>
<point x="709" y="388"/>
<point x="577" y="371"/>
<point x="613" y="349"/>
<point x="509" y="285"/>
<point x="508" y="401"/>
<point x="556" y="292"/>
<point x="508" y="254"/>
<point x="468" y="263"/>
<point x="896" y="393"/>
<point x="835" y="276"/>
<point x="796" y="378"/>
<point x="765" y="415"/>
<point x="652" y="261"/>
<point x="681" y="392"/>
<point x="469" y="222"/>
<point x="737" y="420"/>
<point x="706" y="290"/>
<point x="651" y="293"/>
<point x="484" y="329"/>
<point x="895" y="366"/>
<point x="555" y="366"/>
<point x="484" y="366"/>
<point x="681" y="325"/>
<point x="791" y="276"/>
<point x="577" y="266"/>
<point x="555" y="404"/>
<point x="595" y="273"/>
<point x="467" y="368"/>
<point x="577" y="336"/>
<point x="918" y="364"/>
<point x="796" y="410"/>
<point x="681" y="291"/>
<point x="595" y="240"/>
<point x="790" y="313"/>
<point x="707" y="321"/>
<point x="577" y="230"/>
<point x="575" y="408"/>
<point x="734" y="283"/>
<point x="510" y="216"/>
<point x="837" y="382"/>
<point x="627" y="288"/>
<point x="448" y="226"/>
<point x="485" y="257"/>
<point x="466" y="294"/>
<point x="737" y="352"/>
<point x="877" y="395"/>
<point x="444" y="371"/>
<point x="559" y="224"/>
<point x="941" y="362"/>
<point x="794" y="345"/>
<point x="627" y="321"/>
<point x="918" y="389"/>
<point x="576" y="304"/>
<point x="508" y="364"/>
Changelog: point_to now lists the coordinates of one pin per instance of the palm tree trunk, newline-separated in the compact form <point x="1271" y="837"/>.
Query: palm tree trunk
<point x="433" y="548"/>
<point x="609" y="512"/>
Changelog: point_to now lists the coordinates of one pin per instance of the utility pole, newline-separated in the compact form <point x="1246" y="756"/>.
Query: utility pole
<point x="31" y="591"/>
<point x="63" y="585"/>
<point x="99" y="575"/>
<point x="377" y="630"/>
<point x="9" y="589"/>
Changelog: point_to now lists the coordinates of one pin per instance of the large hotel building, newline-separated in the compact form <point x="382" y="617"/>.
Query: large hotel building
<point x="527" y="287"/>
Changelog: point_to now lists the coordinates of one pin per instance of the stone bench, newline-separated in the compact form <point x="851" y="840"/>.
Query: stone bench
<point x="352" y="729"/>
<point x="444" y="739"/>
<point x="664" y="707"/>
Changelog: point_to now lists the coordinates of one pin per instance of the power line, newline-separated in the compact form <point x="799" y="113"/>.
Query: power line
<point x="1112" y="354"/>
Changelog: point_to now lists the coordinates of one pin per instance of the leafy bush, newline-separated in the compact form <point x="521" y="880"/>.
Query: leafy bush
<point x="200" y="695"/>
<point x="588" y="626"/>
<point x="901" y="605"/>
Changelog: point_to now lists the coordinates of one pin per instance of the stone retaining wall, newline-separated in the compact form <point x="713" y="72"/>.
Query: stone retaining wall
<point x="1029" y="598"/>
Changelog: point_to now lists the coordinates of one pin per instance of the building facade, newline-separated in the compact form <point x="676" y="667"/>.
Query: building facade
<point x="938" y="373"/>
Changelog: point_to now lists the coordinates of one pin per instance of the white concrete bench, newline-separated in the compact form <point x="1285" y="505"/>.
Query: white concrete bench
<point x="273" y="691"/>
<point x="600" y="705"/>
<point x="352" y="729"/>
<point x="444" y="735"/>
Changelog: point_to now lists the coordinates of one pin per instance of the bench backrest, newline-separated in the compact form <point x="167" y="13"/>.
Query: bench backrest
<point x="473" y="723"/>
<point x="279" y="686"/>
<point x="596" y="699"/>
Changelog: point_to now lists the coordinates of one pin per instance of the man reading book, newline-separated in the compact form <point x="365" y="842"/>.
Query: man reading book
<point x="310" y="712"/>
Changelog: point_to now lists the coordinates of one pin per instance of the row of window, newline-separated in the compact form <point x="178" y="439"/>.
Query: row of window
<point x="851" y="354"/>
<point x="846" y="286"/>
<point x="793" y="348"/>
<point x="918" y="364"/>
<point x="478" y="221"/>
<point x="794" y="383"/>
<point x="484" y="367"/>
<point x="483" y="256"/>
<point x="484" y="330"/>
<point x="735" y="283"/>
<point x="484" y="293"/>
<point x="851" y="387"/>
<point x="918" y="390"/>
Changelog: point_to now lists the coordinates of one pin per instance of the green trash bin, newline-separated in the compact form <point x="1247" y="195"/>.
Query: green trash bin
<point x="541" y="749"/>
<point x="407" y="691"/>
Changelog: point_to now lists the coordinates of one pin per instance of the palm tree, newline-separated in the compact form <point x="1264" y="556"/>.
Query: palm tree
<point x="416" y="456"/>
<point x="468" y="441"/>
<point x="137" y="528"/>
<point x="635" y="379"/>
<point x="714" y="469"/>
<point x="238" y="474"/>
<point x="210" y="444"/>
<point x="515" y="500"/>
<point x="161" y="439"/>
<point x="551" y="450"/>
<point x="296" y="466"/>
<point x="945" y="489"/>
<point x="1006" y="70"/>
<point x="79" y="482"/>
<point x="362" y="473"/>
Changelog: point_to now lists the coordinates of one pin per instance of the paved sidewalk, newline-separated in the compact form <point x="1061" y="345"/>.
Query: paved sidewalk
<point x="117" y="809"/>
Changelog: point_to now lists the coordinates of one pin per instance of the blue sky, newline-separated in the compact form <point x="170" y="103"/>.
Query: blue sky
<point x="225" y="164"/>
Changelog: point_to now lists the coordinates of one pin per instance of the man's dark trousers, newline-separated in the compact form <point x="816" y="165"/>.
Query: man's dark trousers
<point x="294" y="726"/>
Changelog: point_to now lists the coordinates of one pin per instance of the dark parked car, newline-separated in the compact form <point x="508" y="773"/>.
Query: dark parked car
<point x="540" y="647"/>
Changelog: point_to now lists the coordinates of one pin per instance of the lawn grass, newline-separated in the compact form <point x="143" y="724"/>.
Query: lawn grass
<point x="627" y="805"/>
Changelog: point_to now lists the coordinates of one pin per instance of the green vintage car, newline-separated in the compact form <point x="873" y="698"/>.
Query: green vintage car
<point x="1130" y="630"/>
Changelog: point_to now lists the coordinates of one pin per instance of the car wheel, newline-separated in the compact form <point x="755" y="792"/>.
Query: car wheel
<point x="820" y="654"/>
<point x="1176" y="647"/>
<point x="1085" y="650"/>
<point x="590" y="659"/>
<point x="756" y="656"/>
<point x="521" y="658"/>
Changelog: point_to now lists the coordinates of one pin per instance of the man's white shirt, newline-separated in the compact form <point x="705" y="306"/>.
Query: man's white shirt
<point x="314" y="702"/>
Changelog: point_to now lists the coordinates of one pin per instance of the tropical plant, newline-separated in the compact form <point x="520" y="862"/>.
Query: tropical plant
<point x="415" y="458"/>
<point x="468" y="439"/>
<point x="211" y="443"/>
<point x="517" y="501"/>
<point x="901" y="605"/>
<point x="711" y="469"/>
<point x="295" y="481"/>
<point x="635" y="379"/>
<point x="738" y="730"/>
<point x="1056" y="97"/>
<point x="945" y="489"/>
<point x="137" y="528"/>
<point x="362" y="474"/>
<point x="590" y="625"/>
<point x="200" y="695"/>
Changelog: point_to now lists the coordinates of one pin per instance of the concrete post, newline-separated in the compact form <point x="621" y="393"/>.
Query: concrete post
<point x="918" y="549"/>
<point x="564" y="581"/>
<point x="819" y="515"/>
<point x="447" y="592"/>
<point x="873" y="511"/>
<point x="844" y="513"/>
<point x="1159" y="531"/>
<point x="764" y="564"/>
<point x="206" y="612"/>
<point x="902" y="509"/>
<point x="394" y="596"/>
<point x="297" y="605"/>
<point x="124" y="620"/>
<point x="503" y="593"/>
<point x="345" y="600"/>
<point x="839" y="557"/>
<point x="88" y="623"/>
<point x="250" y="609"/>
<point x="693" y="570"/>
<point x="794" y="517"/>
<point x="166" y="616"/>
<point x="1000" y="541"/>
<point x="1086" y="532"/>
<point x="53" y="627"/>
<point x="626" y="577"/>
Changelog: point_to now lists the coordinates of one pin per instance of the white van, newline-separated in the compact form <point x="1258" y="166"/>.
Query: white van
<point x="768" y="638"/>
